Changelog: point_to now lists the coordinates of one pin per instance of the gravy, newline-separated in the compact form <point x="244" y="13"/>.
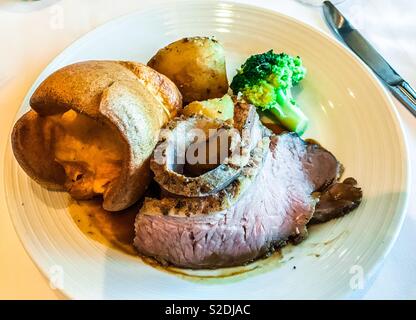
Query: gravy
<point x="112" y="229"/>
<point x="116" y="230"/>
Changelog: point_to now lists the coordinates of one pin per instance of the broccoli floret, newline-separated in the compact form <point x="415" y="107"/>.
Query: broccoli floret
<point x="266" y="80"/>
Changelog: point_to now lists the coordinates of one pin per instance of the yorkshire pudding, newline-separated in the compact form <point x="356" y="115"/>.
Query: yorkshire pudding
<point x="92" y="129"/>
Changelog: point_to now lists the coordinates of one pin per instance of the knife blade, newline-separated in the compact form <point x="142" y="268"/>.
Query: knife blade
<point x="366" y="52"/>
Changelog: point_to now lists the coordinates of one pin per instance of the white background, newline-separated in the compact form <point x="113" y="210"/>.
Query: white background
<point x="32" y="34"/>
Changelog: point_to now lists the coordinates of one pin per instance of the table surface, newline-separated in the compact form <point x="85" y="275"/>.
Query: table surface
<point x="34" y="33"/>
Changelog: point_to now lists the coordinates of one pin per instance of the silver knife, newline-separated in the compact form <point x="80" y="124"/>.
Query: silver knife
<point x="362" y="48"/>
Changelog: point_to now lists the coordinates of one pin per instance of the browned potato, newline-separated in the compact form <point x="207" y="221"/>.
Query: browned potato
<point x="218" y="108"/>
<point x="196" y="65"/>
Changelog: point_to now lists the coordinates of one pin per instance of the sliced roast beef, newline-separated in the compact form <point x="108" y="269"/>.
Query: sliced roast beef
<point x="194" y="138"/>
<point x="337" y="200"/>
<point x="322" y="166"/>
<point x="268" y="203"/>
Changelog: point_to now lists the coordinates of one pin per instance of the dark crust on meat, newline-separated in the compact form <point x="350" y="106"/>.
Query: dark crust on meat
<point x="160" y="216"/>
<point x="326" y="162"/>
<point x="337" y="200"/>
<point x="180" y="184"/>
<point x="245" y="134"/>
<point x="225" y="198"/>
<point x="269" y="204"/>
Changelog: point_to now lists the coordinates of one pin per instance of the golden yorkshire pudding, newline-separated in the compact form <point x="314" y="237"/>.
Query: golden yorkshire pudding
<point x="92" y="129"/>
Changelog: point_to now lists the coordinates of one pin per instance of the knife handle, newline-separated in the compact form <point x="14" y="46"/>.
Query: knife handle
<point x="406" y="95"/>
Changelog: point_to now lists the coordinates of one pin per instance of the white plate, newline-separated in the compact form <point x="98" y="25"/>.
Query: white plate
<point x="350" y="113"/>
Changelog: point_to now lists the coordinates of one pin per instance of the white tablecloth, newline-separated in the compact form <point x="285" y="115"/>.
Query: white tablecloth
<point x="31" y="34"/>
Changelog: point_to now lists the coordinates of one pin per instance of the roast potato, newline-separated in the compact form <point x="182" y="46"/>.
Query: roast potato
<point x="196" y="65"/>
<point x="218" y="108"/>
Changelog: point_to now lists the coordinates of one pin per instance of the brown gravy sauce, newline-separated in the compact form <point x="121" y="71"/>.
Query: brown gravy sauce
<point x="116" y="230"/>
<point x="112" y="229"/>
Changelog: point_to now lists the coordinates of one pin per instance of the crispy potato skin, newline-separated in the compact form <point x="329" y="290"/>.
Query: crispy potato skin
<point x="196" y="65"/>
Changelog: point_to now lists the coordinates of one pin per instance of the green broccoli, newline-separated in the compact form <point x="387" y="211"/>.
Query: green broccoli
<point x="266" y="80"/>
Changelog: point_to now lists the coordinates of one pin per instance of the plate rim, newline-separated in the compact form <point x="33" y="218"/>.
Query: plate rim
<point x="403" y="201"/>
